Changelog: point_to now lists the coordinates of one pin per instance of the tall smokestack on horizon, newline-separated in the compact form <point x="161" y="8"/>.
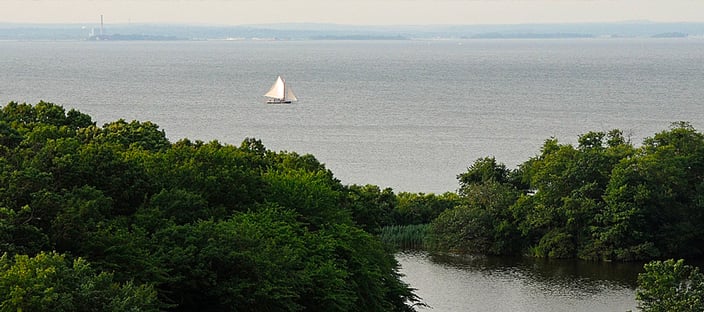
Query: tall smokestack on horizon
<point x="101" y="24"/>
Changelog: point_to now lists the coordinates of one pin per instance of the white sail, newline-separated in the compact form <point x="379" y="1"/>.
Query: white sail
<point x="280" y="92"/>
<point x="277" y="90"/>
<point x="289" y="95"/>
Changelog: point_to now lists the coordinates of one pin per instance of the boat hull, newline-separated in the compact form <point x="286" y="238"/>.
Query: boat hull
<point x="277" y="102"/>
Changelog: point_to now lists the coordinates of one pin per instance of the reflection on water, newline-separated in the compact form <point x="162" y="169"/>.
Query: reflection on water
<point x="469" y="283"/>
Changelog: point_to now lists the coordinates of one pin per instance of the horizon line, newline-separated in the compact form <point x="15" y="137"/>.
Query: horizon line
<point x="352" y="24"/>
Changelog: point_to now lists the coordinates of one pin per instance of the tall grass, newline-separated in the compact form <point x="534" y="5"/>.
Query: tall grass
<point x="404" y="236"/>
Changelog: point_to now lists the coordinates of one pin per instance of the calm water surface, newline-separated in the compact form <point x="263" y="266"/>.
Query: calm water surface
<point x="410" y="115"/>
<point x="463" y="283"/>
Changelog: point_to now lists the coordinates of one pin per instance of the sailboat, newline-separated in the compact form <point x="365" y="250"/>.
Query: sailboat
<point x="280" y="93"/>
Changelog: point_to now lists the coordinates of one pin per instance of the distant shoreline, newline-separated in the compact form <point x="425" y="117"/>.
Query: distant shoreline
<point x="311" y="31"/>
<point x="539" y="38"/>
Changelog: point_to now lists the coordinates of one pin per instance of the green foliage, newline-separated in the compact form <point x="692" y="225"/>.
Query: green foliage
<point x="483" y="222"/>
<point x="670" y="286"/>
<point x="194" y="225"/>
<point x="144" y="135"/>
<point x="236" y="263"/>
<point x="373" y="276"/>
<point x="312" y="194"/>
<point x="484" y="169"/>
<point x="80" y="213"/>
<point x="18" y="235"/>
<point x="182" y="207"/>
<point x="655" y="206"/>
<point x="225" y="176"/>
<point x="601" y="200"/>
<point x="371" y="207"/>
<point x="219" y="227"/>
<point x="9" y="136"/>
<point x="565" y="212"/>
<point x="462" y="229"/>
<point x="50" y="282"/>
<point x="555" y="244"/>
<point x="420" y="208"/>
<point x="410" y="236"/>
<point x="24" y="117"/>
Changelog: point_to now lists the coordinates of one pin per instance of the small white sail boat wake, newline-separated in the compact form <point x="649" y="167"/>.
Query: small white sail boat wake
<point x="280" y="93"/>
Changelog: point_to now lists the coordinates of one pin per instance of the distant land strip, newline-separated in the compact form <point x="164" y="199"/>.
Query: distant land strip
<point x="313" y="31"/>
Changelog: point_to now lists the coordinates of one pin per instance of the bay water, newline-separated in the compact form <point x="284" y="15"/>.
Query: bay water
<point x="409" y="115"/>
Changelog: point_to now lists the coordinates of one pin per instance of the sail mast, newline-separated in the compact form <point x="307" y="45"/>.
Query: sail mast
<point x="283" y="98"/>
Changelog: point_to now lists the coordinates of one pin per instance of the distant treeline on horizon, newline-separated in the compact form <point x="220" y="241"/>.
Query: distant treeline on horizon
<point x="312" y="31"/>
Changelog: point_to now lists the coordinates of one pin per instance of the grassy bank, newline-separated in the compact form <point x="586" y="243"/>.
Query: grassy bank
<point x="405" y="236"/>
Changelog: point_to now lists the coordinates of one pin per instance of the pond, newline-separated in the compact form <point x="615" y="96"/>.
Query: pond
<point x="479" y="283"/>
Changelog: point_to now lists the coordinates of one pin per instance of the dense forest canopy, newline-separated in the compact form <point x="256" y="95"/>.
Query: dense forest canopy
<point x="118" y="218"/>
<point x="604" y="199"/>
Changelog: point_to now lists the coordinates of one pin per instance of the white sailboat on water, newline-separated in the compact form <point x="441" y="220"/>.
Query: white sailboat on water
<point x="280" y="93"/>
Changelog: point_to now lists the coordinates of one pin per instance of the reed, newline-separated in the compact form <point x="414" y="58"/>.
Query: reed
<point x="410" y="236"/>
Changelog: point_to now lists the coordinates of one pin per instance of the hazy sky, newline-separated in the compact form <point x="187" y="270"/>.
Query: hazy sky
<point x="378" y="12"/>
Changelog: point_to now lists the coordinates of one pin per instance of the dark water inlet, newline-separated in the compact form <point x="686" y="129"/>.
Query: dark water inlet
<point x="469" y="283"/>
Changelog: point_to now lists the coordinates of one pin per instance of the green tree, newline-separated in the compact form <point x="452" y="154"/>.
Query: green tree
<point x="371" y="207"/>
<point x="420" y="208"/>
<point x="312" y="194"/>
<point x="369" y="272"/>
<point x="9" y="136"/>
<point x="225" y="176"/>
<point x="482" y="170"/>
<point x="670" y="286"/>
<point x="655" y="205"/>
<point x="145" y="135"/>
<point x="569" y="185"/>
<point x="18" y="234"/>
<point x="483" y="221"/>
<point x="24" y="117"/>
<point x="81" y="211"/>
<point x="254" y="261"/>
<point x="50" y="282"/>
